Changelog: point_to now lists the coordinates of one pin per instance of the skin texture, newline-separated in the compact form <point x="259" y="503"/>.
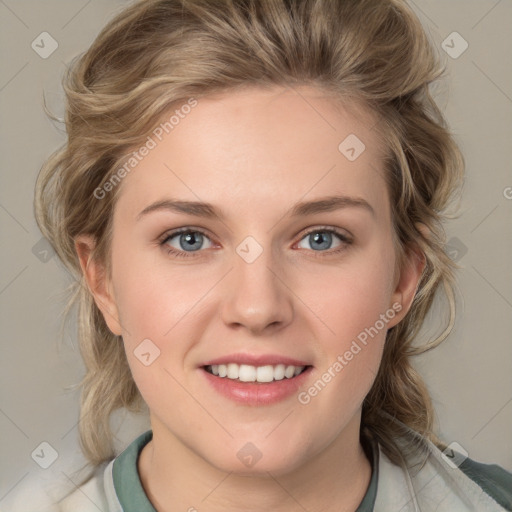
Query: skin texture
<point x="253" y="154"/>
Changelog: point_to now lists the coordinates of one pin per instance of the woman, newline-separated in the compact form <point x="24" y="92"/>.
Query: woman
<point x="251" y="198"/>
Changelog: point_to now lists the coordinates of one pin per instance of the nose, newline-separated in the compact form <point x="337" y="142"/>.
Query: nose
<point x="256" y="296"/>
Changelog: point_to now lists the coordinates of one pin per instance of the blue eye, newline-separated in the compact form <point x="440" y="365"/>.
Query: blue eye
<point x="188" y="241"/>
<point x="322" y="239"/>
<point x="184" y="243"/>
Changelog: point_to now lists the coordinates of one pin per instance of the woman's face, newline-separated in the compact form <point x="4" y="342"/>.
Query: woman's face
<point x="291" y="263"/>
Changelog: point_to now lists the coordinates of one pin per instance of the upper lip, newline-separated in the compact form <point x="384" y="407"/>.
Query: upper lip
<point x="256" y="360"/>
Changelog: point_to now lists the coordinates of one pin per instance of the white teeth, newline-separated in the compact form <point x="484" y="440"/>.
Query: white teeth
<point x="288" y="373"/>
<point x="279" y="372"/>
<point x="232" y="371"/>
<point x="265" y="373"/>
<point x="248" y="373"/>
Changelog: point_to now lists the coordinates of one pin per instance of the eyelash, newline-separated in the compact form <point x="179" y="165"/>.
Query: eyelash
<point x="346" y="241"/>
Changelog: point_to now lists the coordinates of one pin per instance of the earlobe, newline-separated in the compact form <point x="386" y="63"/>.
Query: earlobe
<point x="97" y="282"/>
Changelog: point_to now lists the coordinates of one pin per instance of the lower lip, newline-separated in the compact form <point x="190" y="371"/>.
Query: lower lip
<point x="257" y="393"/>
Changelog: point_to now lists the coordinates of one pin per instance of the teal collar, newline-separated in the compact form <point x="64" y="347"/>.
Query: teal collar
<point x="127" y="484"/>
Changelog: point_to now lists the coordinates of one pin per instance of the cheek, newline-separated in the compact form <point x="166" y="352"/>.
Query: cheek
<point x="351" y="357"/>
<point x="163" y="307"/>
<point x="354" y="295"/>
<point x="152" y="300"/>
<point x="351" y="305"/>
<point x="153" y="312"/>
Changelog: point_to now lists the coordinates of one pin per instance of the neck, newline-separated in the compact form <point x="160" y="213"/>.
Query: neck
<point x="176" y="478"/>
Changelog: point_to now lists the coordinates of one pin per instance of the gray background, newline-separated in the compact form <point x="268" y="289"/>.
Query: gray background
<point x="469" y="376"/>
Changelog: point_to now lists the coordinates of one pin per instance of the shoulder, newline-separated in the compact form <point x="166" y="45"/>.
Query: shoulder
<point x="70" y="487"/>
<point x="110" y="484"/>
<point x="443" y="481"/>
<point x="492" y="479"/>
<point x="488" y="480"/>
<point x="97" y="493"/>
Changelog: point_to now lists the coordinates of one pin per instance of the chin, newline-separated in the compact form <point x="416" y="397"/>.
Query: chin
<point x="253" y="460"/>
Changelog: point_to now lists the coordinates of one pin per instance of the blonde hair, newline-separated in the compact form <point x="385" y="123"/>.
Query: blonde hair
<point x="157" y="53"/>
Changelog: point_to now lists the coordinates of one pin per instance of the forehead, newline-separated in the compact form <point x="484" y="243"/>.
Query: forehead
<point x="275" y="145"/>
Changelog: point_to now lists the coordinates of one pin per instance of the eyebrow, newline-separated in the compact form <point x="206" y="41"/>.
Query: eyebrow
<point x="207" y="210"/>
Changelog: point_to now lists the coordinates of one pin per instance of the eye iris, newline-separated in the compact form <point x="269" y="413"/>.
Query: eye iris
<point x="321" y="237"/>
<point x="193" y="240"/>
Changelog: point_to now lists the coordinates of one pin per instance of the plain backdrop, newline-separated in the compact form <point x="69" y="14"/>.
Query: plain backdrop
<point x="469" y="375"/>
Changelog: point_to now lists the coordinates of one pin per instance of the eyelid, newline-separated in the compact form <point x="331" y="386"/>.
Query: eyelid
<point x="341" y="232"/>
<point x="186" y="229"/>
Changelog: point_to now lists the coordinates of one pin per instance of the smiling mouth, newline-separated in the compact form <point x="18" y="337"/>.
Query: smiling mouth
<point x="258" y="374"/>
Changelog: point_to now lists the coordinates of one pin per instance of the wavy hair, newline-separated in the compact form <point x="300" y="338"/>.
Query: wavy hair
<point x="154" y="55"/>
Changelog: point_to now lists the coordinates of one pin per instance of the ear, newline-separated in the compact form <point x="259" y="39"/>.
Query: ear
<point x="98" y="283"/>
<point x="409" y="278"/>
